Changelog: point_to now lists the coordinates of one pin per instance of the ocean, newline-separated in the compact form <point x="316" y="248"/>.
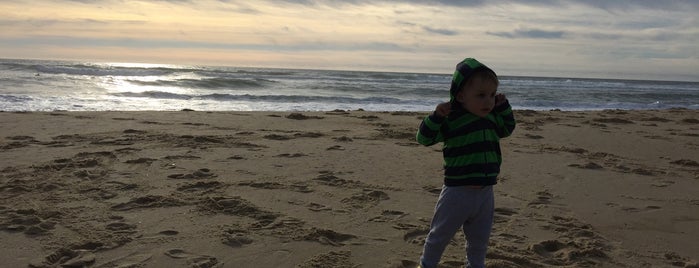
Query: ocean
<point x="36" y="85"/>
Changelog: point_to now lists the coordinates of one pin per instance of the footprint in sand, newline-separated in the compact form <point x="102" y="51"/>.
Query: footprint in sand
<point x="318" y="207"/>
<point x="299" y="116"/>
<point x="327" y="237"/>
<point x="296" y="187"/>
<point x="148" y="201"/>
<point x="403" y="264"/>
<point x="201" y="186"/>
<point x="400" y="134"/>
<point x="152" y="123"/>
<point x="160" y="235"/>
<point x="16" y="187"/>
<point x="416" y="235"/>
<point x="505" y="211"/>
<point x="613" y="120"/>
<point x="65" y="257"/>
<point x="432" y="189"/>
<point x="573" y="253"/>
<point x="131" y="260"/>
<point x="169" y="232"/>
<point x="115" y="141"/>
<point x="142" y="160"/>
<point x="343" y="139"/>
<point x="533" y="137"/>
<point x="127" y="150"/>
<point x="331" y="180"/>
<point x="542" y="198"/>
<point x="185" y="156"/>
<point x="134" y="131"/>
<point x="236" y="239"/>
<point x="588" y="165"/>
<point x="685" y="163"/>
<point x="194" y="260"/>
<point x="662" y="184"/>
<point x="236" y="206"/>
<point x="577" y="245"/>
<point x="643" y="171"/>
<point x="18" y="142"/>
<point x="678" y="261"/>
<point x="517" y="239"/>
<point x="202" y="173"/>
<point x="389" y="216"/>
<point x="329" y="259"/>
<point x="124" y="118"/>
<point x="29" y="221"/>
<point x="335" y="148"/>
<point x="90" y="159"/>
<point x="309" y="135"/>
<point x="548" y="248"/>
<point x="292" y="155"/>
<point x="504" y="215"/>
<point x="195" y="124"/>
<point x="367" y="198"/>
<point x="408" y="144"/>
<point x="647" y="208"/>
<point x="277" y="137"/>
<point x="121" y="228"/>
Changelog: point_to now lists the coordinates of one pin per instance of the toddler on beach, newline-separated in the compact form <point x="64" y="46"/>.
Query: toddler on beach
<point x="470" y="125"/>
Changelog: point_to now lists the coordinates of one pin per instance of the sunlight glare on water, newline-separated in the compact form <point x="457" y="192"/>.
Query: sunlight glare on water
<point x="150" y="78"/>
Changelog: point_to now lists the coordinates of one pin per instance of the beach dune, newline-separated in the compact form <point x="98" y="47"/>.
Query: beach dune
<point x="613" y="188"/>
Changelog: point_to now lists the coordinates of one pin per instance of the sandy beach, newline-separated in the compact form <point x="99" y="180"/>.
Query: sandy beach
<point x="610" y="188"/>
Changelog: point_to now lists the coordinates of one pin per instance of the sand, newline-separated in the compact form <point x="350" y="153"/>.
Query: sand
<point x="337" y="189"/>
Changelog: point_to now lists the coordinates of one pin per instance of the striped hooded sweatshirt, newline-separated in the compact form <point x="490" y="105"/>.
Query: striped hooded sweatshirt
<point x="471" y="146"/>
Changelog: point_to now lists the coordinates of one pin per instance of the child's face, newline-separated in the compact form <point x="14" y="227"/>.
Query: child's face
<point x="478" y="97"/>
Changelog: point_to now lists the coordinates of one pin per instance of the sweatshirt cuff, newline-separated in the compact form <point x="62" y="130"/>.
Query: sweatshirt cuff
<point x="436" y="118"/>
<point x="502" y="107"/>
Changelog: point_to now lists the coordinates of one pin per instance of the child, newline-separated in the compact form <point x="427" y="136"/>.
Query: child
<point x="470" y="125"/>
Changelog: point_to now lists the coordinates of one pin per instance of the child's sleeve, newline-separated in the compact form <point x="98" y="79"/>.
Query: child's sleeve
<point x="505" y="119"/>
<point x="429" y="132"/>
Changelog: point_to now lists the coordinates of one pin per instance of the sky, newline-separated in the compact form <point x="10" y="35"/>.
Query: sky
<point x="627" y="39"/>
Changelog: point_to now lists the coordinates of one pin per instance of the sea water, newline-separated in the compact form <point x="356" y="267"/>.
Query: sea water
<point x="35" y="85"/>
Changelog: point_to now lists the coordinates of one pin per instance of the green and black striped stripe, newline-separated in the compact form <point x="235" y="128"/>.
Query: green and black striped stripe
<point x="471" y="149"/>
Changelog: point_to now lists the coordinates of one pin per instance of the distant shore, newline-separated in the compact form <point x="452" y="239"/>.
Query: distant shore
<point x="615" y="188"/>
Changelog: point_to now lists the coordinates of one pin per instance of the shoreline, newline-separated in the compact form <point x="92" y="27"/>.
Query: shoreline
<point x="335" y="110"/>
<point x="339" y="188"/>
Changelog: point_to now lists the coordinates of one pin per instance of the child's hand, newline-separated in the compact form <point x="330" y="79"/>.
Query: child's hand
<point x="443" y="109"/>
<point x="500" y="99"/>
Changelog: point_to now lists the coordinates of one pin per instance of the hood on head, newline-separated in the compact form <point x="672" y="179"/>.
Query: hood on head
<point x="463" y="71"/>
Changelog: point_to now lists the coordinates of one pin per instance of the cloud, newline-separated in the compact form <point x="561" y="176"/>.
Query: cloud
<point x="439" y="31"/>
<point x="428" y="29"/>
<point x="530" y="33"/>
<point x="616" y="5"/>
<point x="142" y="43"/>
<point x="623" y="5"/>
<point x="372" y="34"/>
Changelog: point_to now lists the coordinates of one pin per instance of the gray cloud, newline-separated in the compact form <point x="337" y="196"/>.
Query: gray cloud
<point x="530" y="33"/>
<point x="615" y="5"/>
<point x="40" y="23"/>
<point x="620" y="5"/>
<point x="150" y="43"/>
<point x="428" y="29"/>
<point x="439" y="31"/>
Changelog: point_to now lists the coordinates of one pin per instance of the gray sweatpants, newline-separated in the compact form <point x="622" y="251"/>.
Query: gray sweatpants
<point x="466" y="208"/>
